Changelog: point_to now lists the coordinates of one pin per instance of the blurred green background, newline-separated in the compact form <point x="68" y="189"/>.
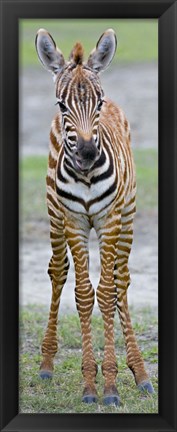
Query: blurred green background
<point x="137" y="38"/>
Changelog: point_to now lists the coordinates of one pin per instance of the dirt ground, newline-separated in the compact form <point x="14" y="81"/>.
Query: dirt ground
<point x="34" y="257"/>
<point x="135" y="89"/>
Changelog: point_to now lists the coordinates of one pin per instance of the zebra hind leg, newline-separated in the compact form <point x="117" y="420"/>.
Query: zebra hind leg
<point x="134" y="358"/>
<point x="58" y="269"/>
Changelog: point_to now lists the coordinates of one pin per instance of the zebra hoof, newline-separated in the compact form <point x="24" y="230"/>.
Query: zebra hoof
<point x="89" y="399"/>
<point x="146" y="386"/>
<point x="111" y="400"/>
<point x="45" y="374"/>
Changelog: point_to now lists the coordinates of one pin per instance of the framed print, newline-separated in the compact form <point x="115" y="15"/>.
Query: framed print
<point x="140" y="76"/>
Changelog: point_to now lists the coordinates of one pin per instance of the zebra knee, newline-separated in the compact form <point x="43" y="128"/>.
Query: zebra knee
<point x="58" y="270"/>
<point x="122" y="277"/>
<point x="85" y="298"/>
<point x="107" y="307"/>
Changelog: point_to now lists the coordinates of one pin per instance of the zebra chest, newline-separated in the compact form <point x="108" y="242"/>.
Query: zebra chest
<point x="82" y="198"/>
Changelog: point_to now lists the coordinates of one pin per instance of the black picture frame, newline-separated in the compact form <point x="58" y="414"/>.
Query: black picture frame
<point x="166" y="13"/>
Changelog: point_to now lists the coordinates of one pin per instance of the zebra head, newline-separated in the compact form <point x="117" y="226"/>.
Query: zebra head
<point x="79" y="94"/>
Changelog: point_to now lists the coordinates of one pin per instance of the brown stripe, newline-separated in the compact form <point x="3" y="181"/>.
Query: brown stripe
<point x="50" y="182"/>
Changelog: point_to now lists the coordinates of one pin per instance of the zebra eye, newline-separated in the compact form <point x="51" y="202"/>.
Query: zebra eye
<point x="62" y="106"/>
<point x="100" y="103"/>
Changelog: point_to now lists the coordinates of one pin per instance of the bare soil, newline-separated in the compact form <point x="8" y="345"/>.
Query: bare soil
<point x="35" y="252"/>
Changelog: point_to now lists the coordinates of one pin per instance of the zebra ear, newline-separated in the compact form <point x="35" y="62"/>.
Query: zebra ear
<point x="49" y="55"/>
<point x="103" y="53"/>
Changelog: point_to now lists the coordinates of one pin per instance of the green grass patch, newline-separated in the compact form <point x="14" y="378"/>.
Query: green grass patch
<point x="63" y="393"/>
<point x="146" y="162"/>
<point x="33" y="188"/>
<point x="137" y="39"/>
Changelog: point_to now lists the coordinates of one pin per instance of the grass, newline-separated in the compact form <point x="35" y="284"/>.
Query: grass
<point x="32" y="184"/>
<point x="63" y="394"/>
<point x="137" y="39"/>
<point x="146" y="162"/>
<point x="33" y="188"/>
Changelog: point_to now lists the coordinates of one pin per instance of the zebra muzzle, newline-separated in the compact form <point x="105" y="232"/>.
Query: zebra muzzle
<point x="86" y="153"/>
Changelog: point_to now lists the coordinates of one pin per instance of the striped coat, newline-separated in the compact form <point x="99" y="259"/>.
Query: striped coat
<point x="90" y="184"/>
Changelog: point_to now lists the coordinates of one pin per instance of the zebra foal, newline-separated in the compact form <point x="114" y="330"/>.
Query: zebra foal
<point x="90" y="184"/>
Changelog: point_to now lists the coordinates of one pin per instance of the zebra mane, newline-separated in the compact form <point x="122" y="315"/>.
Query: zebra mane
<point x="77" y="54"/>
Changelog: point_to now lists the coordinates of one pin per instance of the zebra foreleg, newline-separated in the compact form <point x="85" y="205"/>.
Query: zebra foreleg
<point x="84" y="295"/>
<point x="134" y="358"/>
<point x="107" y="298"/>
<point x="58" y="269"/>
